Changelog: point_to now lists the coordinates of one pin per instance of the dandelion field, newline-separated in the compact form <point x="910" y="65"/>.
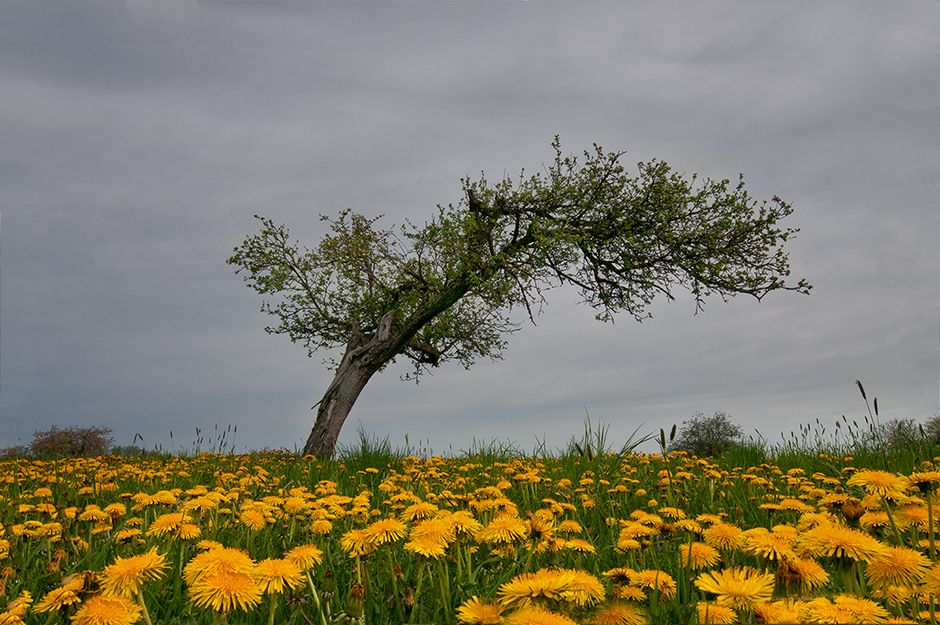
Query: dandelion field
<point x="491" y="536"/>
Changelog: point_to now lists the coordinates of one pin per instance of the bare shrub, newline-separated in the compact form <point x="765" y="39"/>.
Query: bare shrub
<point x="74" y="441"/>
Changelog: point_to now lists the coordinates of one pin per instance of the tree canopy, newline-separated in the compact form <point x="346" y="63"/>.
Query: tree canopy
<point x="445" y="290"/>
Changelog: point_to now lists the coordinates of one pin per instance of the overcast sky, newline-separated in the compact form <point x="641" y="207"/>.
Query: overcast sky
<point x="137" y="140"/>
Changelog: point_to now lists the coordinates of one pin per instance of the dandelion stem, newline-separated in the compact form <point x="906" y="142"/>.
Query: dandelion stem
<point x="143" y="606"/>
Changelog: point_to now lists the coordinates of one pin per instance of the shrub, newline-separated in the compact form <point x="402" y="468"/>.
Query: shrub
<point x="73" y="441"/>
<point x="705" y="436"/>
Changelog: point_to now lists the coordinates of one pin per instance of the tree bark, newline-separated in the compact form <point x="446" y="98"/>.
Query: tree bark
<point x="365" y="355"/>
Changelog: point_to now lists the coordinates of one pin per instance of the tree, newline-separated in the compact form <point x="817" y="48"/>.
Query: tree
<point x="707" y="437"/>
<point x="444" y="291"/>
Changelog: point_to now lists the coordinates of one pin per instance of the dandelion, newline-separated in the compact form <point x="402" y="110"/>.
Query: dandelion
<point x="56" y="599"/>
<point x="724" y="536"/>
<point x="17" y="607"/>
<point x="771" y="546"/>
<point x="899" y="567"/>
<point x="275" y="575"/>
<point x="126" y="575"/>
<point x="107" y="610"/>
<point x="697" y="555"/>
<point x="523" y="589"/>
<point x="579" y="545"/>
<point x="476" y="612"/>
<point x="427" y="546"/>
<point x="419" y="511"/>
<point x="842" y="542"/>
<point x="715" y="614"/>
<point x="653" y="579"/>
<point x="167" y="524"/>
<point x="218" y="559"/>
<point x="882" y="483"/>
<point x="357" y="542"/>
<point x="538" y="616"/>
<point x="618" y="613"/>
<point x="808" y="573"/>
<point x="739" y="587"/>
<point x="224" y="590"/>
<point x="925" y="481"/>
<point x="581" y="587"/>
<point x="305" y="556"/>
<point x="503" y="529"/>
<point x="465" y="524"/>
<point x="438" y="529"/>
<point x="386" y="531"/>
<point x="253" y="519"/>
<point x="779" y="612"/>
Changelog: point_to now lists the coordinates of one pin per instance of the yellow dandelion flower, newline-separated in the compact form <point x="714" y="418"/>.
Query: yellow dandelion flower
<point x="580" y="545"/>
<point x="305" y="556"/>
<point x="739" y="587"/>
<point x="715" y="614"/>
<point x="925" y="481"/>
<point x="56" y="599"/>
<point x="125" y="577"/>
<point x="321" y="526"/>
<point x="842" y="542"/>
<point x="503" y="529"/>
<point x="438" y="529"/>
<point x="418" y="511"/>
<point x="569" y="527"/>
<point x="107" y="610"/>
<point x="386" y="531"/>
<point x="779" y="612"/>
<point x="619" y="575"/>
<point x="618" y="613"/>
<point x="899" y="567"/>
<point x="218" y="559"/>
<point x="427" y="546"/>
<point x="476" y="612"/>
<point x="697" y="555"/>
<point x="275" y="575"/>
<point x="525" y="588"/>
<point x="879" y="482"/>
<point x="653" y="579"/>
<point x="931" y="580"/>
<point x="538" y="616"/>
<point x="167" y="524"/>
<point x="224" y="590"/>
<point x="253" y="519"/>
<point x="357" y="542"/>
<point x="581" y="587"/>
<point x="189" y="531"/>
<point x="724" y="536"/>
<point x="772" y="546"/>
<point x="807" y="572"/>
<point x="17" y="607"/>
<point x="845" y="609"/>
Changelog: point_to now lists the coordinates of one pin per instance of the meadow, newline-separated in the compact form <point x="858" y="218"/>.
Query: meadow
<point x="813" y="530"/>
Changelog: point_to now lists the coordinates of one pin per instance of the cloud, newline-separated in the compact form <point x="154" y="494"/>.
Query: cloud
<point x="140" y="138"/>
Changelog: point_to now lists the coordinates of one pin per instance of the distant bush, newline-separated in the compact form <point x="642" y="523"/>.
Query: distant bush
<point x="130" y="451"/>
<point x="705" y="436"/>
<point x="74" y="441"/>
<point x="14" y="451"/>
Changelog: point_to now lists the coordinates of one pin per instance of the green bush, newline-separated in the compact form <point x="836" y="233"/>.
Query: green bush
<point x="706" y="437"/>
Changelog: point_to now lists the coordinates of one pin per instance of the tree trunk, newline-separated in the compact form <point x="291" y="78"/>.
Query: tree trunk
<point x="335" y="407"/>
<point x="365" y="355"/>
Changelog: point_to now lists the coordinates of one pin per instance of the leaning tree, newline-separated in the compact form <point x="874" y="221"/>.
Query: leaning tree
<point x="445" y="290"/>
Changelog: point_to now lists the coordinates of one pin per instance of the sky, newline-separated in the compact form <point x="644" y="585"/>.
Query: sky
<point x="138" y="139"/>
